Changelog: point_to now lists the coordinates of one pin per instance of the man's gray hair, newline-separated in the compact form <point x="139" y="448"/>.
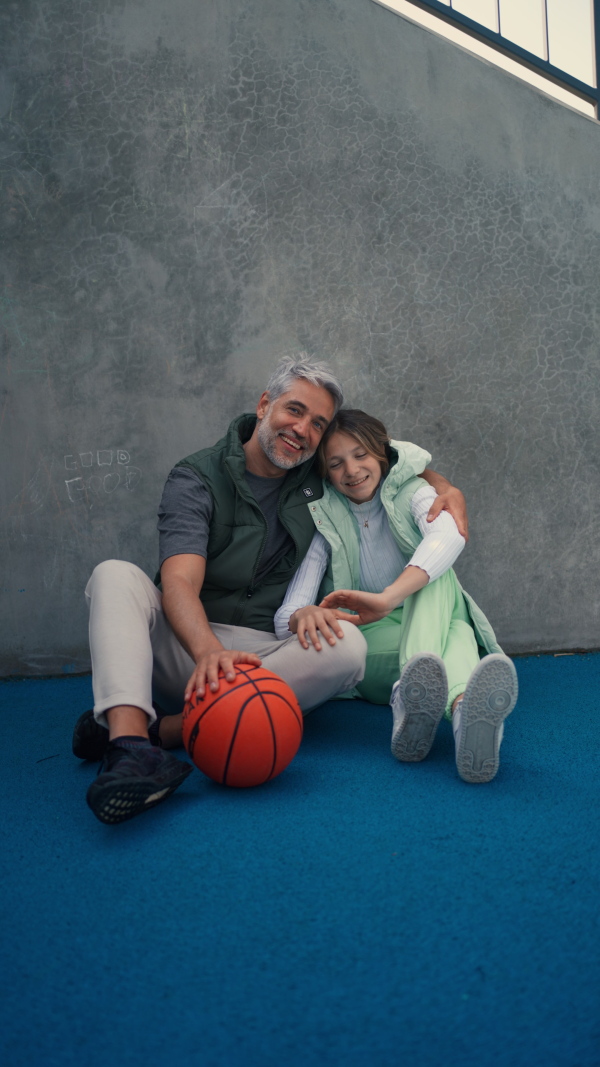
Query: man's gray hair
<point x="317" y="373"/>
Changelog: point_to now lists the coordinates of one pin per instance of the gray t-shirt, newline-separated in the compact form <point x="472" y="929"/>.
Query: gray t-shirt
<point x="185" y="512"/>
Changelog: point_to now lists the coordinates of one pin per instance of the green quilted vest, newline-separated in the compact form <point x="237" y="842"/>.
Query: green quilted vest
<point x="238" y="531"/>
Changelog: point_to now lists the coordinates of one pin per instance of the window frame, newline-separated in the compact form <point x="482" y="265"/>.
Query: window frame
<point x="589" y="93"/>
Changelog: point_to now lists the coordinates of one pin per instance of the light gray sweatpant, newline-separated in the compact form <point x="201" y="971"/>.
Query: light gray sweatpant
<point x="136" y="657"/>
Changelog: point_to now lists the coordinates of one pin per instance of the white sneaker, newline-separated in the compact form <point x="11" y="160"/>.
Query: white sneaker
<point x="478" y="721"/>
<point x="418" y="702"/>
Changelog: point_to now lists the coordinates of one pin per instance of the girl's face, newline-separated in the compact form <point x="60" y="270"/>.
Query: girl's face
<point x="351" y="469"/>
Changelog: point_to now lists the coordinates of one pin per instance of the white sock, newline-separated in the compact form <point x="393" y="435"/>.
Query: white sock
<point x="456" y="717"/>
<point x="397" y="706"/>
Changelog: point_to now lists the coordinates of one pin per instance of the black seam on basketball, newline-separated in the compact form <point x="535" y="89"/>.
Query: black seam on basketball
<point x="267" y="692"/>
<point x="196" y="727"/>
<point x="194" y="733"/>
<point x="246" y="671"/>
<point x="233" y="737"/>
<point x="193" y="738"/>
<point x="268" y="713"/>
<point x="274" y="693"/>
<point x="251" y="681"/>
<point x="263" y="678"/>
<point x="226" y="692"/>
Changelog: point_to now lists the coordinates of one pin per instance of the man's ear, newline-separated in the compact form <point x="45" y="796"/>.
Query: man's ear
<point x="261" y="407"/>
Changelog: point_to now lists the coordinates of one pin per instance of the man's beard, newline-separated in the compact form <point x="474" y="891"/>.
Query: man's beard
<point x="267" y="439"/>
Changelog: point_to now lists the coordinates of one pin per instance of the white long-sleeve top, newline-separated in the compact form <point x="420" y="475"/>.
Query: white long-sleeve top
<point x="381" y="561"/>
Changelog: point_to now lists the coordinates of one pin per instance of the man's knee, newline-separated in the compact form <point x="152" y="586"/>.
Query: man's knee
<point x="114" y="572"/>
<point x="353" y="648"/>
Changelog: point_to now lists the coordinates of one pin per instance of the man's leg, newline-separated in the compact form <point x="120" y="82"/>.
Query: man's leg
<point x="135" y="654"/>
<point x="314" y="676"/>
<point x="130" y="641"/>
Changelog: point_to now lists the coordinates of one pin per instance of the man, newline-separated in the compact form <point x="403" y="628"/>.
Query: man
<point x="234" y="528"/>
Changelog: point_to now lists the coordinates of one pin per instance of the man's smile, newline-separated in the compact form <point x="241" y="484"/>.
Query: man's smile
<point x="296" y="445"/>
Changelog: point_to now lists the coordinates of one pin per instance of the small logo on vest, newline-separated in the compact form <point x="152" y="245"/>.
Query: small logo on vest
<point x="308" y="492"/>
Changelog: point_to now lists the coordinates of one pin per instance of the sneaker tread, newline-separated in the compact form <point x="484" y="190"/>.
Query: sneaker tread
<point x="117" y="795"/>
<point x="489" y="698"/>
<point x="423" y="690"/>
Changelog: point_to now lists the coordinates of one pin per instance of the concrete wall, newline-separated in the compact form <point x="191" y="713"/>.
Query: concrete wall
<point x="189" y="189"/>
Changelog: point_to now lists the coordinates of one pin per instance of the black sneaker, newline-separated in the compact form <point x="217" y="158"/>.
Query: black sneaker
<point x="133" y="779"/>
<point x="90" y="739"/>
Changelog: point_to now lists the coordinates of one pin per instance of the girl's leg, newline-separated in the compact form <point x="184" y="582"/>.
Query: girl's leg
<point x="478" y="719"/>
<point x="418" y="699"/>
<point x="437" y="654"/>
<point x="381" y="671"/>
<point x="461" y="654"/>
<point x="418" y="702"/>
<point x="436" y="620"/>
<point x="433" y="620"/>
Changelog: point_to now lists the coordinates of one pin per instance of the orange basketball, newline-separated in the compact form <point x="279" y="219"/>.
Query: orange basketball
<point x="247" y="732"/>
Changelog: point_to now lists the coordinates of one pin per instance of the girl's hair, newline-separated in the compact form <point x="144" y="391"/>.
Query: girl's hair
<point x="366" y="429"/>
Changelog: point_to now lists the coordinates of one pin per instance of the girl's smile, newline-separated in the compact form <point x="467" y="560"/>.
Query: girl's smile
<point x="351" y="469"/>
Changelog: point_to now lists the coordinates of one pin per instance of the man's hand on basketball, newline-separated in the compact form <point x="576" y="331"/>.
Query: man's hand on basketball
<point x="310" y="622"/>
<point x="209" y="665"/>
<point x="452" y="500"/>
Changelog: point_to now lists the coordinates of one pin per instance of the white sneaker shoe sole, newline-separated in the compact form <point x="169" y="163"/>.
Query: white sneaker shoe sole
<point x="421" y="694"/>
<point x="490" y="696"/>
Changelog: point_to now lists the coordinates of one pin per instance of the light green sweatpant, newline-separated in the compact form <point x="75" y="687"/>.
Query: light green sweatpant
<point x="433" y="620"/>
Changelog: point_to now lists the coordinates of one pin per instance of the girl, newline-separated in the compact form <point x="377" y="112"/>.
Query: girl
<point x="431" y="650"/>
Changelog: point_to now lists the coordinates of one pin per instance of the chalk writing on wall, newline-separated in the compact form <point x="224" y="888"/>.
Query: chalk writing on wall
<point x="100" y="473"/>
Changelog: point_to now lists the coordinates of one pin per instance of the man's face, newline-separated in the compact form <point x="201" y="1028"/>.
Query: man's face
<point x="291" y="427"/>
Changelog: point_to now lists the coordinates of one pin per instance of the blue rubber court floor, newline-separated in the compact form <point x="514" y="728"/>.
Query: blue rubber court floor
<point x="354" y="911"/>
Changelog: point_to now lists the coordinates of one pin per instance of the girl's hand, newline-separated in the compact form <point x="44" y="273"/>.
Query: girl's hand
<point x="369" y="607"/>
<point x="311" y="621"/>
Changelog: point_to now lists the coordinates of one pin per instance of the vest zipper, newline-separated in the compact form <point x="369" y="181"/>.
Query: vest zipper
<point x="250" y="590"/>
<point x="251" y="587"/>
<point x="258" y="558"/>
<point x="288" y="531"/>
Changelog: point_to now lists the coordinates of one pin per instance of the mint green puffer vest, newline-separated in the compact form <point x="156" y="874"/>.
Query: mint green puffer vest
<point x="238" y="531"/>
<point x="334" y="519"/>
